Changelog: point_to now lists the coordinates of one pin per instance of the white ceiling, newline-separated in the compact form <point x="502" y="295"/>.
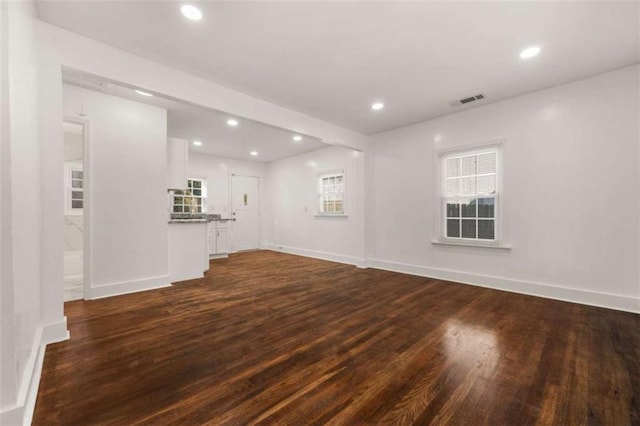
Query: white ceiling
<point x="333" y="59"/>
<point x="208" y="126"/>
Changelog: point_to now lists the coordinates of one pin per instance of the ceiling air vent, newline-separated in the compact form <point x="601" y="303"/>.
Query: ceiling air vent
<point x="466" y="100"/>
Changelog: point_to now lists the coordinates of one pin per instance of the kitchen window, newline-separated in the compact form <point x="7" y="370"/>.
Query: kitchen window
<point x="331" y="194"/>
<point x="470" y="196"/>
<point x="191" y="200"/>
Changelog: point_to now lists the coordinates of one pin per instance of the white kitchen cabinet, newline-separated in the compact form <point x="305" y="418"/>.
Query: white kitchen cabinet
<point x="223" y="237"/>
<point x="219" y="238"/>
<point x="177" y="163"/>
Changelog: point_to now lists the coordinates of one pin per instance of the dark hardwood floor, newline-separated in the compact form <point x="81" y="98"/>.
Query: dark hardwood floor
<point x="278" y="339"/>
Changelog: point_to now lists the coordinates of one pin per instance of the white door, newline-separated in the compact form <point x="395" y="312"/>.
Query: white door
<point x="245" y="210"/>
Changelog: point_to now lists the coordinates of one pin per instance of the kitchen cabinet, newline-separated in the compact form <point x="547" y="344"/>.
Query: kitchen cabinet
<point x="219" y="238"/>
<point x="177" y="163"/>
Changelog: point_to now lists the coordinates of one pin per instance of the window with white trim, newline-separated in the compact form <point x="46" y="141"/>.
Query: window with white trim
<point x="470" y="195"/>
<point x="74" y="188"/>
<point x="192" y="200"/>
<point x="331" y="193"/>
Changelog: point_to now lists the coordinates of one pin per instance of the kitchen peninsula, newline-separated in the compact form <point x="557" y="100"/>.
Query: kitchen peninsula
<point x="188" y="249"/>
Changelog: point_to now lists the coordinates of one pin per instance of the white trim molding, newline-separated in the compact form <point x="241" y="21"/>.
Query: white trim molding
<point x="22" y="412"/>
<point x="333" y="257"/>
<point x="126" y="287"/>
<point x="566" y="294"/>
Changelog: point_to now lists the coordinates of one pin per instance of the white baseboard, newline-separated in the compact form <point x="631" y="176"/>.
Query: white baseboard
<point x="567" y="294"/>
<point x="22" y="412"/>
<point x="55" y="332"/>
<point x="218" y="256"/>
<point x="126" y="287"/>
<point x="340" y="258"/>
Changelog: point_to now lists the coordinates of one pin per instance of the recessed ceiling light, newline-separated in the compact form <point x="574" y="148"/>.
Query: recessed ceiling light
<point x="191" y="12"/>
<point x="529" y="52"/>
<point x="197" y="143"/>
<point x="140" y="92"/>
<point x="232" y="122"/>
<point x="254" y="153"/>
<point x="297" y="138"/>
<point x="377" y="106"/>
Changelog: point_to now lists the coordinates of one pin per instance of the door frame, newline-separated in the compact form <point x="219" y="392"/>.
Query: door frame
<point x="87" y="277"/>
<point x="231" y="175"/>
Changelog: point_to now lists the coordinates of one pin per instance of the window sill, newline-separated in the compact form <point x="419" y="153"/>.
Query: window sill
<point x="330" y="215"/>
<point x="471" y="244"/>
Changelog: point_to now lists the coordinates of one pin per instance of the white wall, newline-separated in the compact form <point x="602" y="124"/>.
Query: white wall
<point x="571" y="193"/>
<point x="292" y="204"/>
<point x="126" y="191"/>
<point x="31" y="303"/>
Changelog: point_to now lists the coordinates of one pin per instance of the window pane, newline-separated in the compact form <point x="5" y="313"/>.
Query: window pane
<point x="196" y="184"/>
<point x="468" y="186"/>
<point x="76" y="204"/>
<point x="486" y="229"/>
<point x="487" y="184"/>
<point x="76" y="195"/>
<point x="453" y="209"/>
<point x="486" y="207"/>
<point x="453" y="167"/>
<point x="199" y="201"/>
<point x="468" y="228"/>
<point x="452" y="187"/>
<point x="339" y="207"/>
<point x="468" y="167"/>
<point x="76" y="184"/>
<point x="487" y="163"/>
<point x="339" y="179"/>
<point x="453" y="228"/>
<point x="177" y="209"/>
<point x="76" y="174"/>
<point x="178" y="200"/>
<point x="197" y="192"/>
<point x="469" y="209"/>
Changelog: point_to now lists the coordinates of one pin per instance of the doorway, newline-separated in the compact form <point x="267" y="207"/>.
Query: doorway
<point x="74" y="203"/>
<point x="245" y="208"/>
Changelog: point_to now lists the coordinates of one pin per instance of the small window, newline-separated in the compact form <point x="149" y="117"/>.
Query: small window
<point x="331" y="193"/>
<point x="74" y="189"/>
<point x="470" y="195"/>
<point x="193" y="199"/>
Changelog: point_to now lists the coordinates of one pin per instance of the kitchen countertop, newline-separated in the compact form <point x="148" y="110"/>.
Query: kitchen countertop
<point x="197" y="218"/>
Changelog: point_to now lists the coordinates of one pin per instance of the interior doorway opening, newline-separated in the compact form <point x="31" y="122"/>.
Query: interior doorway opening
<point x="74" y="203"/>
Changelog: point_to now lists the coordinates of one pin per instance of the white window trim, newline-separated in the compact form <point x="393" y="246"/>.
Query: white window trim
<point x="439" y="213"/>
<point x="318" y="194"/>
<point x="69" y="167"/>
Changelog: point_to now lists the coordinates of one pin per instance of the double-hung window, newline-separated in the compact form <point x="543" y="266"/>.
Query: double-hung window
<point x="331" y="193"/>
<point x="74" y="188"/>
<point x="193" y="199"/>
<point x="470" y="195"/>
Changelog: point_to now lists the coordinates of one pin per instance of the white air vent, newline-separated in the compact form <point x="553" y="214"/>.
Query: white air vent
<point x="466" y="100"/>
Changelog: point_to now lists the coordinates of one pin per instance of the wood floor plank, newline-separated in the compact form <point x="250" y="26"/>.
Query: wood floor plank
<point x="270" y="338"/>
